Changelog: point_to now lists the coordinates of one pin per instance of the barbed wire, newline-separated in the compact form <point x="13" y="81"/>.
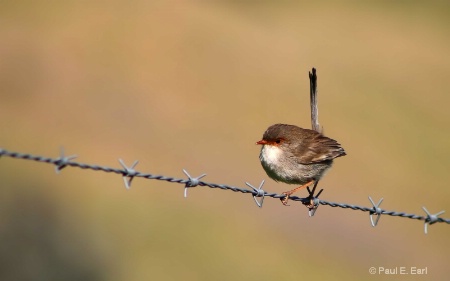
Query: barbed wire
<point x="312" y="202"/>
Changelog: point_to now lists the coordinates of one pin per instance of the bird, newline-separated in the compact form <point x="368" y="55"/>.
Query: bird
<point x="294" y="155"/>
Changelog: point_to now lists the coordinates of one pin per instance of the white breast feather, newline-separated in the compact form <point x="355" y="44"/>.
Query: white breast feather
<point x="271" y="154"/>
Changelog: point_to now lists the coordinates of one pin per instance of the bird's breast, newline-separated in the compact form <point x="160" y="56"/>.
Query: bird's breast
<point x="270" y="155"/>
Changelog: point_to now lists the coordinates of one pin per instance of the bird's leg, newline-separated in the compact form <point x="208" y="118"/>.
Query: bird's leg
<point x="285" y="199"/>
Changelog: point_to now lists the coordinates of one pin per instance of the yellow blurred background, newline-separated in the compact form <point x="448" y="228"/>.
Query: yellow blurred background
<point x="194" y="84"/>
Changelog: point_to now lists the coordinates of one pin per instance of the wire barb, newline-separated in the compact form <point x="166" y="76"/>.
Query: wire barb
<point x="192" y="182"/>
<point x="62" y="161"/>
<point x="259" y="193"/>
<point x="128" y="173"/>
<point x="376" y="210"/>
<point x="431" y="218"/>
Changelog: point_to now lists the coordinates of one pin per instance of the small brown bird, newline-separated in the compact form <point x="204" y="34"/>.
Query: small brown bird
<point x="294" y="155"/>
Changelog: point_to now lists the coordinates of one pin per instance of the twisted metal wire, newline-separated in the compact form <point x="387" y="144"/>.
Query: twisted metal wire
<point x="63" y="161"/>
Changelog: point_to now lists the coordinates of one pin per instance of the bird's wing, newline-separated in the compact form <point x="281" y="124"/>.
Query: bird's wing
<point x="319" y="149"/>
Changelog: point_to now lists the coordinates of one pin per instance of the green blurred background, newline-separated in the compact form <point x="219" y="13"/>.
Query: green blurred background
<point x="194" y="84"/>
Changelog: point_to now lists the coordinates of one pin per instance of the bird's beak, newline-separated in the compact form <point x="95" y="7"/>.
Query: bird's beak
<point x="261" y="142"/>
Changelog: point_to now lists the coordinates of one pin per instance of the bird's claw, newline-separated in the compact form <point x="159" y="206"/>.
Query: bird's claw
<point x="311" y="204"/>
<point x="285" y="199"/>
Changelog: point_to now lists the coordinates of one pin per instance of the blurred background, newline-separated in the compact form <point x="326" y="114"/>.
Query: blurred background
<point x="194" y="84"/>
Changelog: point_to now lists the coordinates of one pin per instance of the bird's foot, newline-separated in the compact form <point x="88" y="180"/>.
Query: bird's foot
<point x="287" y="194"/>
<point x="311" y="204"/>
<point x="314" y="201"/>
<point x="285" y="199"/>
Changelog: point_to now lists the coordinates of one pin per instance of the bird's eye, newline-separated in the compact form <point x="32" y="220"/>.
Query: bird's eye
<point x="278" y="141"/>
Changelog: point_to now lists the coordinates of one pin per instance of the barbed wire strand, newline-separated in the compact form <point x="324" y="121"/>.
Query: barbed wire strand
<point x="128" y="173"/>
